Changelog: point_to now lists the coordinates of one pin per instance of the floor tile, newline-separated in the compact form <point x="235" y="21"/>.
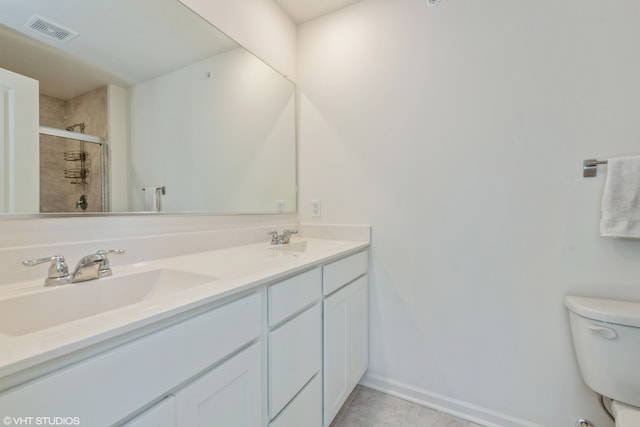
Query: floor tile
<point x="370" y="408"/>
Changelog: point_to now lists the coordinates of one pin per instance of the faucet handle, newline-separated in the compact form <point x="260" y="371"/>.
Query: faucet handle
<point x="275" y="239"/>
<point x="105" y="267"/>
<point x="58" y="270"/>
<point x="286" y="235"/>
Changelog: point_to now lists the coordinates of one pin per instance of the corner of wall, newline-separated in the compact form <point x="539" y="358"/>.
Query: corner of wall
<point x="272" y="37"/>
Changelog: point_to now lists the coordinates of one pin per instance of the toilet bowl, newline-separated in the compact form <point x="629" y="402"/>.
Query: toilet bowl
<point x="606" y="339"/>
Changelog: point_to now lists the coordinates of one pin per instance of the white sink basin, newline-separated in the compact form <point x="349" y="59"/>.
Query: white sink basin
<point x="292" y="247"/>
<point x="50" y="307"/>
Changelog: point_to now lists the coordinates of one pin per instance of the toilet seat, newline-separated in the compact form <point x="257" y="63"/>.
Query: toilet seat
<point x="626" y="415"/>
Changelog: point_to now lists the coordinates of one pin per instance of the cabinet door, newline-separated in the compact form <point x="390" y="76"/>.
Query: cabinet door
<point x="346" y="344"/>
<point x="162" y="414"/>
<point x="227" y="396"/>
<point x="336" y="347"/>
<point x="359" y="329"/>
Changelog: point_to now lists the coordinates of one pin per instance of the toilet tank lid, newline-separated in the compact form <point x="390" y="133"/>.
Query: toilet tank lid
<point x="605" y="310"/>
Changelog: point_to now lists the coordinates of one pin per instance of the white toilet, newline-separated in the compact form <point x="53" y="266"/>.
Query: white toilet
<point x="606" y="338"/>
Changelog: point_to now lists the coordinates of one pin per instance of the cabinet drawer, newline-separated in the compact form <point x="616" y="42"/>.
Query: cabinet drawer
<point x="228" y="395"/>
<point x="106" y="388"/>
<point x="305" y="410"/>
<point x="339" y="273"/>
<point x="295" y="356"/>
<point x="162" y="414"/>
<point x="292" y="295"/>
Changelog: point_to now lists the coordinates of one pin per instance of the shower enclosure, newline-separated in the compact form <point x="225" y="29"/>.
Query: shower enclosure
<point x="72" y="172"/>
<point x="73" y="153"/>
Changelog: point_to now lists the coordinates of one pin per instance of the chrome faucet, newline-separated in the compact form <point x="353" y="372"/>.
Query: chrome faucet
<point x="282" y="239"/>
<point x="90" y="267"/>
<point x="58" y="270"/>
<point x="94" y="266"/>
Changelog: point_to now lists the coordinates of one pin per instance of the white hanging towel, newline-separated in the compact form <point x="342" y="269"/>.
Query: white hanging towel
<point x="621" y="198"/>
<point x="153" y="198"/>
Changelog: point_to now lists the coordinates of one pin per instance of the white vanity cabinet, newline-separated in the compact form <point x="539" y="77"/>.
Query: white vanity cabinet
<point x="182" y="360"/>
<point x="346" y="330"/>
<point x="295" y="351"/>
<point x="284" y="351"/>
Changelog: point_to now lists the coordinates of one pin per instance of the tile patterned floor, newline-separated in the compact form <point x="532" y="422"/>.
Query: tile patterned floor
<point x="369" y="408"/>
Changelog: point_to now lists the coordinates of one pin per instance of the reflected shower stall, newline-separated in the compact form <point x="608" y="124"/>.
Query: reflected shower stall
<point x="72" y="172"/>
<point x="73" y="153"/>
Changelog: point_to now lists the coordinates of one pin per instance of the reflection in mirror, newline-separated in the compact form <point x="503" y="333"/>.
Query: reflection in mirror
<point x="120" y="106"/>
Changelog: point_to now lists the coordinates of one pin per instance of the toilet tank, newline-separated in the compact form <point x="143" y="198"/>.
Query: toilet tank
<point x="606" y="339"/>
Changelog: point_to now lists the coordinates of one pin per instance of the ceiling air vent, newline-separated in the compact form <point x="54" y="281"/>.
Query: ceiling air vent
<point x="50" y="29"/>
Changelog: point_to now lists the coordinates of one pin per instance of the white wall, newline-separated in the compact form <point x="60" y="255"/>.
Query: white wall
<point x="458" y="133"/>
<point x="227" y="166"/>
<point x="258" y="25"/>
<point x="119" y="148"/>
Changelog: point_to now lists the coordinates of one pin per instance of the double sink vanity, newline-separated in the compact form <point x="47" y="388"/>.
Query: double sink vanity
<point x="252" y="335"/>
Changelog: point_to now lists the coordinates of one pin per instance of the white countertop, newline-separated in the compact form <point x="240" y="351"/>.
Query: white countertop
<point x="235" y="270"/>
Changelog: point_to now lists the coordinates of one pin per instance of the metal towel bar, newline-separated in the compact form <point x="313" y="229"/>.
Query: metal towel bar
<point x="590" y="167"/>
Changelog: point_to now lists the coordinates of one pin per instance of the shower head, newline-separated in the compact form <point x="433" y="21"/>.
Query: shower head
<point x="73" y="127"/>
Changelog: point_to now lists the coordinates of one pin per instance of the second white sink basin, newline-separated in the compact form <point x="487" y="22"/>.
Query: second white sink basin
<point x="300" y="246"/>
<point x="50" y="307"/>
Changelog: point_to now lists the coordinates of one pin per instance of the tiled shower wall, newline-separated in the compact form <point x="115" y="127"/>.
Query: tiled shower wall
<point x="57" y="193"/>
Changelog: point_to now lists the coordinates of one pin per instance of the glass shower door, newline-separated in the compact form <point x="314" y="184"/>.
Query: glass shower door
<point x="72" y="175"/>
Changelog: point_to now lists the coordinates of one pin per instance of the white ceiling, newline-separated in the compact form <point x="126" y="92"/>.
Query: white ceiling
<point x="152" y="38"/>
<point x="304" y="10"/>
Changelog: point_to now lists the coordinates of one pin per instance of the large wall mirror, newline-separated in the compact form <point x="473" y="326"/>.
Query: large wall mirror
<point x="138" y="106"/>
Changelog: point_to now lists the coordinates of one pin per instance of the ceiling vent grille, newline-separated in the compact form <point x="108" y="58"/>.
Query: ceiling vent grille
<point x="50" y="29"/>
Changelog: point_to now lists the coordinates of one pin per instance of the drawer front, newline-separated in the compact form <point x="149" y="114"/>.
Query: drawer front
<point x="292" y="295"/>
<point x="228" y="395"/>
<point x="339" y="273"/>
<point x="162" y="414"/>
<point x="295" y="356"/>
<point x="108" y="387"/>
<point x="305" y="410"/>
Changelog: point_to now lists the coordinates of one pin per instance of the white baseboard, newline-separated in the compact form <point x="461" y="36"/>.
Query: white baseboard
<point x="457" y="408"/>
